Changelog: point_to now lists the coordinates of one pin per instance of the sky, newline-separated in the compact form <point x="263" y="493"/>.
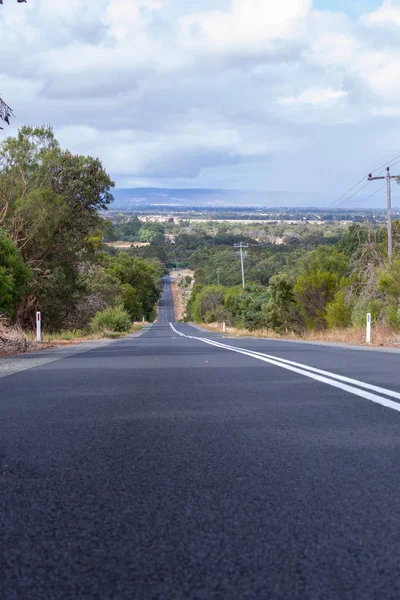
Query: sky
<point x="274" y="95"/>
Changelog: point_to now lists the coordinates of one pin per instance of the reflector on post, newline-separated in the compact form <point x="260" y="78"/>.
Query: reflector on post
<point x="369" y="319"/>
<point x="38" y="327"/>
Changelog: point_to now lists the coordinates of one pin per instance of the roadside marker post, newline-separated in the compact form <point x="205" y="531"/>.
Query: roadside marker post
<point x="38" y="327"/>
<point x="369" y="319"/>
<point x="223" y="327"/>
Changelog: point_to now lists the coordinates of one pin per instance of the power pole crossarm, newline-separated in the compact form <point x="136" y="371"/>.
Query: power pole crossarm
<point x="388" y="178"/>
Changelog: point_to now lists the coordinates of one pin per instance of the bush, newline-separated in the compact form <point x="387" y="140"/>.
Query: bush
<point x="367" y="305"/>
<point x="338" y="312"/>
<point x="223" y="315"/>
<point x="14" y="275"/>
<point x="206" y="301"/>
<point x="131" y="302"/>
<point x="111" y="319"/>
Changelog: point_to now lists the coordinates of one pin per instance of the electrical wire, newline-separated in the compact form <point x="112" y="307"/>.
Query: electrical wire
<point x="345" y="194"/>
<point x="343" y="197"/>
<point x="352" y="196"/>
<point x="368" y="197"/>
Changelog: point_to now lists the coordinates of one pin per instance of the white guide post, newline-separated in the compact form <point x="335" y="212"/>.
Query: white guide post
<point x="369" y="319"/>
<point x="223" y="327"/>
<point x="38" y="327"/>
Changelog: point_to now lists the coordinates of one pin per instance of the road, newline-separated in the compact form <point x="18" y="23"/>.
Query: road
<point x="168" y="467"/>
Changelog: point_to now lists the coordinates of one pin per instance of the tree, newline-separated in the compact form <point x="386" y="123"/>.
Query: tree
<point x="320" y="275"/>
<point x="338" y="311"/>
<point x="247" y="306"/>
<point x="282" y="313"/>
<point x="49" y="203"/>
<point x="140" y="291"/>
<point x="205" y="303"/>
<point x="14" y="275"/>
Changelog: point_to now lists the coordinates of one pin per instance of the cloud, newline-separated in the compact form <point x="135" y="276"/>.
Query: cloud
<point x="315" y="97"/>
<point x="248" y="23"/>
<point x="216" y="93"/>
<point x="388" y="15"/>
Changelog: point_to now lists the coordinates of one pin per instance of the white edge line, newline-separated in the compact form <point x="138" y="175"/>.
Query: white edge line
<point x="347" y="388"/>
<point x="367" y="386"/>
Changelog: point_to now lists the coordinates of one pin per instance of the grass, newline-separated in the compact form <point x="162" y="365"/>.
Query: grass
<point x="381" y="336"/>
<point x="81" y="335"/>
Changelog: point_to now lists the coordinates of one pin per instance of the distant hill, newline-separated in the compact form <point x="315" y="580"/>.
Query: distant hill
<point x="158" y="197"/>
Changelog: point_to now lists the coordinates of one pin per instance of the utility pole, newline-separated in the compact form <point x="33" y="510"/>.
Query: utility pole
<point x="388" y="178"/>
<point x="219" y="271"/>
<point x="242" y="255"/>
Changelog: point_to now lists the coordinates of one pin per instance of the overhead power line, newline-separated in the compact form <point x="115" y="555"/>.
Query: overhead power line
<point x="348" y="192"/>
<point x="352" y="196"/>
<point x="370" y="196"/>
<point x="388" y="177"/>
<point x="344" y="197"/>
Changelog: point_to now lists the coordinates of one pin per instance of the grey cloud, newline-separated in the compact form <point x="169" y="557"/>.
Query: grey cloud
<point x="88" y="85"/>
<point x="189" y="162"/>
<point x="184" y="107"/>
<point x="380" y="35"/>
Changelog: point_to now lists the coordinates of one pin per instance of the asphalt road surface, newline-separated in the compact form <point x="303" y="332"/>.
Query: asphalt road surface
<point x="182" y="465"/>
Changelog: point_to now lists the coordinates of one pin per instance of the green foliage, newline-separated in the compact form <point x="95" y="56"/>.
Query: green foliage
<point x="244" y="308"/>
<point x="111" y="319"/>
<point x="321" y="274"/>
<point x="14" y="275"/>
<point x="51" y="200"/>
<point x="152" y="232"/>
<point x="131" y="302"/>
<point x="127" y="231"/>
<point x="282" y="312"/>
<point x="364" y="305"/>
<point x="205" y="302"/>
<point x="389" y="280"/>
<point x="67" y="335"/>
<point x="338" y="311"/>
<point x="311" y="278"/>
<point x="52" y="255"/>
<point x="389" y="288"/>
<point x="50" y="203"/>
<point x="247" y="306"/>
<point x="139" y="276"/>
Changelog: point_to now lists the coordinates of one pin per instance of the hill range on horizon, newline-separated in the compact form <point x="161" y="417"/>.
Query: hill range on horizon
<point x="208" y="198"/>
<point x="135" y="198"/>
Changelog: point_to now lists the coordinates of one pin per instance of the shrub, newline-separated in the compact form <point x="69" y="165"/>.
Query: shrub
<point x="14" y="275"/>
<point x="367" y="305"/>
<point x="131" y="302"/>
<point x="338" y="312"/>
<point x="222" y="315"/>
<point x="112" y="319"/>
<point x="205" y="303"/>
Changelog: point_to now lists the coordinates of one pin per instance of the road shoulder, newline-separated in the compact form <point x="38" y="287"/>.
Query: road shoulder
<point x="306" y="342"/>
<point x="9" y="365"/>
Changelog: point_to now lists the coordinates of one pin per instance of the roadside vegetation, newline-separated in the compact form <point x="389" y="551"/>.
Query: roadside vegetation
<point x="52" y="254"/>
<point x="320" y="293"/>
<point x="308" y="280"/>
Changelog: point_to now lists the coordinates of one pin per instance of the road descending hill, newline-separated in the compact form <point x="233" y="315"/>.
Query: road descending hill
<point x="181" y="465"/>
